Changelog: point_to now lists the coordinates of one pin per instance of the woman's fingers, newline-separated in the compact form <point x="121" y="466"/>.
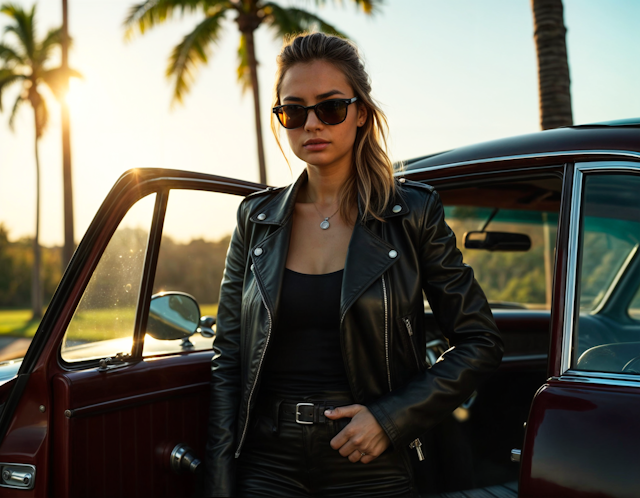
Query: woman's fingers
<point x="356" y="456"/>
<point x="362" y="440"/>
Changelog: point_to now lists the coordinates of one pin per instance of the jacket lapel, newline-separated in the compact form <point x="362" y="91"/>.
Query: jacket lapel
<point x="369" y="255"/>
<point x="368" y="258"/>
<point x="269" y="255"/>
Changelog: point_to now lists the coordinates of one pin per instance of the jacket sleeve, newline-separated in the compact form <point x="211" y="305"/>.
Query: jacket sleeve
<point x="219" y="474"/>
<point x="463" y="314"/>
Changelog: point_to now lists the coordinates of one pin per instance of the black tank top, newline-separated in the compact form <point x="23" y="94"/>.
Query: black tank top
<point x="305" y="356"/>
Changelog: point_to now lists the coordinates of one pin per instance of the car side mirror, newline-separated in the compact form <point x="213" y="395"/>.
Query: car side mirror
<point x="173" y="315"/>
<point x="497" y="241"/>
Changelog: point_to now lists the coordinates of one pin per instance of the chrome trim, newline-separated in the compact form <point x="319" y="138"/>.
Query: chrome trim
<point x="572" y="261"/>
<point x="631" y="154"/>
<point x="524" y="357"/>
<point x="386" y="332"/>
<point x="17" y="475"/>
<point x="600" y="378"/>
<point x="572" y="253"/>
<point x="255" y="380"/>
<point x="298" y="421"/>
<point x="182" y="458"/>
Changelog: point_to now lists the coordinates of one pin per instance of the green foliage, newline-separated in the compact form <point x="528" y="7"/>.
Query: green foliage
<point x="195" y="268"/>
<point x="196" y="47"/>
<point x="16" y="261"/>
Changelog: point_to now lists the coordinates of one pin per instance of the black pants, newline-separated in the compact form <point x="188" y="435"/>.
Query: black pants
<point x="293" y="460"/>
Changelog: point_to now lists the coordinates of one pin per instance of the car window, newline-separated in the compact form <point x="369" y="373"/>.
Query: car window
<point x="634" y="307"/>
<point x="195" y="238"/>
<point x="103" y="322"/>
<point x="606" y="336"/>
<point x="510" y="278"/>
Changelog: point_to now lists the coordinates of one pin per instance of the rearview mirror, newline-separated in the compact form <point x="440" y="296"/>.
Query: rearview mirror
<point x="173" y="315"/>
<point x="497" y="241"/>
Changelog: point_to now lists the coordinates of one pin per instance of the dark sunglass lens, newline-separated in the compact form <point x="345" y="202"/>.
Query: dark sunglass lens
<point x="332" y="111"/>
<point x="292" y="116"/>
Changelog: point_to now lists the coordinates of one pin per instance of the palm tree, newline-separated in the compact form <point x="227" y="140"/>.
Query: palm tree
<point x="553" y="67"/>
<point x="25" y="62"/>
<point x="195" y="48"/>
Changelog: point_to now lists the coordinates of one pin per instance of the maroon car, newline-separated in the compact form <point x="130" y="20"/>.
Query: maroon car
<point x="111" y="398"/>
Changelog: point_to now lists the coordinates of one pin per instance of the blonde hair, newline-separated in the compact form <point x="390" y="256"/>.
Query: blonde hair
<point x="372" y="177"/>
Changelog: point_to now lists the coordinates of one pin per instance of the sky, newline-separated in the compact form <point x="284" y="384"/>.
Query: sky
<point x="446" y="74"/>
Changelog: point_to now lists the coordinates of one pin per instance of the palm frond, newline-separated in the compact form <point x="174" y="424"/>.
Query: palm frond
<point x="287" y="21"/>
<point x="7" y="78"/>
<point x="244" y="73"/>
<point x="367" y="6"/>
<point x="193" y="50"/>
<point x="147" y="14"/>
<point x="14" y="111"/>
<point x="51" y="40"/>
<point x="56" y="79"/>
<point x="10" y="54"/>
<point x="23" y="27"/>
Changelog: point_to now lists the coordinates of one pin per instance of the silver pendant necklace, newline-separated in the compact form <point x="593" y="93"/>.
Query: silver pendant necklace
<point x="324" y="224"/>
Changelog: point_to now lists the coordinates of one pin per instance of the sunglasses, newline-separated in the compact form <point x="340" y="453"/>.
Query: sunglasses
<point x="330" y="112"/>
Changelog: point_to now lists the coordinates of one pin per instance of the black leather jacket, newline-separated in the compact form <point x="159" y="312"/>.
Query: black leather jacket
<point x="388" y="266"/>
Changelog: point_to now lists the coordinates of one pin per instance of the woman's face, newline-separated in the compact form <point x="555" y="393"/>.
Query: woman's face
<point x="316" y="143"/>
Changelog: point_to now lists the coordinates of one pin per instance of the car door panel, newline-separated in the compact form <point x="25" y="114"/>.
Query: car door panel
<point x="123" y="444"/>
<point x="574" y="446"/>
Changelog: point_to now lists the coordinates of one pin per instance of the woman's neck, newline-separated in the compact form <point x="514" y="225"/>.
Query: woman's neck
<point x="323" y="185"/>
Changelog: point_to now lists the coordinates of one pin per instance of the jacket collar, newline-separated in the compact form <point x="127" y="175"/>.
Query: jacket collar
<point x="368" y="255"/>
<point x="280" y="209"/>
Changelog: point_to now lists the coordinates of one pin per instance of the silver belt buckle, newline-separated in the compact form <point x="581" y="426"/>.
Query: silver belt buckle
<point x="298" y="405"/>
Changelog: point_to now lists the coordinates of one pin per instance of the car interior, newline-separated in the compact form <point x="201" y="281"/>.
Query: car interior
<point x="469" y="453"/>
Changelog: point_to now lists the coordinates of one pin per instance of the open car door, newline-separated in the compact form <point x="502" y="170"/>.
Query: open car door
<point x="582" y="433"/>
<point x="99" y="406"/>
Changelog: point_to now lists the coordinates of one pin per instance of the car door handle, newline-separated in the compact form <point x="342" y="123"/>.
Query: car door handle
<point x="183" y="459"/>
<point x="515" y="455"/>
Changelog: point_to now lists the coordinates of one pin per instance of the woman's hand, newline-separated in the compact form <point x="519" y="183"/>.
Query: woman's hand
<point x="362" y="440"/>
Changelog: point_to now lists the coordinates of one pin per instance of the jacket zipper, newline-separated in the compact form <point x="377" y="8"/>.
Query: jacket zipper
<point x="386" y="331"/>
<point x="255" y="382"/>
<point x="407" y="324"/>
<point x="416" y="443"/>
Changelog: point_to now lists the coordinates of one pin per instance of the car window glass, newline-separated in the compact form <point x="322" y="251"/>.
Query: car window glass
<point x="634" y="307"/>
<point x="195" y="238"/>
<point x="510" y="278"/>
<point x="607" y="339"/>
<point x="103" y="322"/>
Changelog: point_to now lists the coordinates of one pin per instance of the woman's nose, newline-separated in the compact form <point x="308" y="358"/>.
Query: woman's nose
<point x="312" y="122"/>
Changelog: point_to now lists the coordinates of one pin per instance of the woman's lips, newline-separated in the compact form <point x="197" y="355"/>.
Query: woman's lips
<point x="315" y="145"/>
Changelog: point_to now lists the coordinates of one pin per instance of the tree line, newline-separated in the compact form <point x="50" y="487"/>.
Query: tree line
<point x="194" y="267"/>
<point x="16" y="264"/>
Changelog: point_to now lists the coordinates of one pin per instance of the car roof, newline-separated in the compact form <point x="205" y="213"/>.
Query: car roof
<point x="612" y="136"/>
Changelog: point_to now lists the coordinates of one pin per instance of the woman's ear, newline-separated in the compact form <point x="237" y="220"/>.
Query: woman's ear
<point x="362" y="115"/>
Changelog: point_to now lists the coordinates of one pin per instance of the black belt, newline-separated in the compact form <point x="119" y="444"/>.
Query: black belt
<point x="302" y="412"/>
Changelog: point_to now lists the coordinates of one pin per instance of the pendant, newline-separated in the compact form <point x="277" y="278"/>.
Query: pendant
<point x="324" y="224"/>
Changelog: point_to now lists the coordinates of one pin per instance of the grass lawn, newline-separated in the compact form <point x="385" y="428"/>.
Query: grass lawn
<point x="17" y="323"/>
<point x="88" y="325"/>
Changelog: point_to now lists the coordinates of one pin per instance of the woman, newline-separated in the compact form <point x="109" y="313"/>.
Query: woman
<point x="319" y="356"/>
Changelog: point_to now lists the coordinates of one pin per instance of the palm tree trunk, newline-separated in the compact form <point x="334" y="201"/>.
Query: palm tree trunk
<point x="69" y="243"/>
<point x="554" y="83"/>
<point x="253" y="69"/>
<point x="36" y="280"/>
